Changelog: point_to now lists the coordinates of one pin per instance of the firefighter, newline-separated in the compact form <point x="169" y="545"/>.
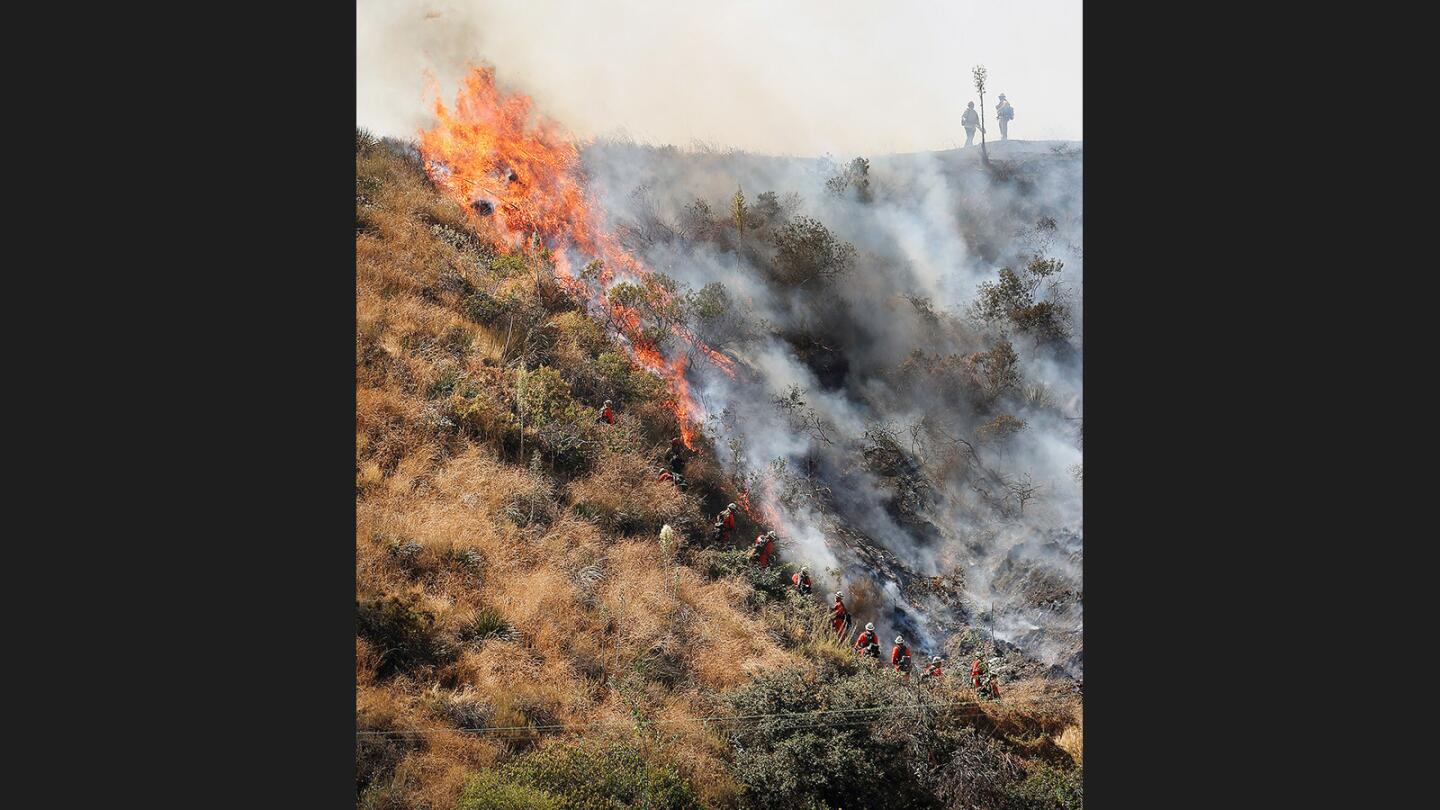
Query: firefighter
<point x="868" y="642"/>
<point x="675" y="456"/>
<point x="725" y="523"/>
<point x="900" y="656"/>
<point x="992" y="688"/>
<point x="764" y="547"/>
<point x="970" y="120"/>
<point x="932" y="671"/>
<point x="606" y="415"/>
<point x="801" y="580"/>
<point x="975" y="670"/>
<point x="839" y="617"/>
<point x="1004" y="113"/>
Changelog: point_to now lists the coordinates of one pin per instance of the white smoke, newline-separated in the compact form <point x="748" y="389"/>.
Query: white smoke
<point x="936" y="228"/>
<point x="802" y="77"/>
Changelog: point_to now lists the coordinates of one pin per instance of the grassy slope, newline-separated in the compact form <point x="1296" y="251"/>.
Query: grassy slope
<point x="508" y="568"/>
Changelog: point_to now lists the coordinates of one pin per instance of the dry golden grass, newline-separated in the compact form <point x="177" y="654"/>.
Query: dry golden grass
<point x="623" y="494"/>
<point x="1072" y="742"/>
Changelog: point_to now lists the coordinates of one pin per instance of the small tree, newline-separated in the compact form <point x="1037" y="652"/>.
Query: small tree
<point x="979" y="73"/>
<point x="738" y="210"/>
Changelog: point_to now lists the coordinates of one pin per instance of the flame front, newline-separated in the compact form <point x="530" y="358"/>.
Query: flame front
<point x="525" y="176"/>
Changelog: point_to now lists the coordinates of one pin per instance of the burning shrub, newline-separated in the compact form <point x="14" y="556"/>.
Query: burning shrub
<point x="653" y="304"/>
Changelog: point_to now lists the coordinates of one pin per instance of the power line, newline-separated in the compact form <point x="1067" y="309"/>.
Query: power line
<point x="1044" y="699"/>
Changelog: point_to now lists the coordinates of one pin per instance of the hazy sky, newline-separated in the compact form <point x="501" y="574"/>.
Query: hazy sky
<point x="787" y="76"/>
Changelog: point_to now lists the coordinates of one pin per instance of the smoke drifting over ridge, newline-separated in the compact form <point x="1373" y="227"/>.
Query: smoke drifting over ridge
<point x="803" y="77"/>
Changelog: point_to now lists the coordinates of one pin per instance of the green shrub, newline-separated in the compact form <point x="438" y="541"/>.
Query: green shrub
<point x="839" y="759"/>
<point x="603" y="777"/>
<point x="482" y="307"/>
<point x="1049" y="788"/>
<point x="490" y="791"/>
<point x="488" y="623"/>
<point x="509" y="265"/>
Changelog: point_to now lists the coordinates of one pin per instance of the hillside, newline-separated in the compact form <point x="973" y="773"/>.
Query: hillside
<point x="879" y="361"/>
<point x="519" y="614"/>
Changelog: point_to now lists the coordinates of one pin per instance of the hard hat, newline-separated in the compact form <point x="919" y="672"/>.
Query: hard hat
<point x="899" y="639"/>
<point x="607" y="402"/>
<point x="869" y="625"/>
<point x="839" y="595"/>
<point x="934" y="659"/>
<point x="731" y="506"/>
<point x="770" y="534"/>
<point x="804" y="569"/>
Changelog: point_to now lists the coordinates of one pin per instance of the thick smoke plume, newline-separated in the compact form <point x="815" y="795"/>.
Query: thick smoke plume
<point x="857" y="417"/>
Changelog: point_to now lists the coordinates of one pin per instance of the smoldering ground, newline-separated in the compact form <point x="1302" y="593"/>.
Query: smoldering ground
<point x="864" y="410"/>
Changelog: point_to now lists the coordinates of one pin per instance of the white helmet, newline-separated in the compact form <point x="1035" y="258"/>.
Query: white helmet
<point x="804" y="569"/>
<point x="869" y="625"/>
<point x="731" y="507"/>
<point x="934" y="659"/>
<point x="839" y="595"/>
<point x="770" y="534"/>
<point x="899" y="639"/>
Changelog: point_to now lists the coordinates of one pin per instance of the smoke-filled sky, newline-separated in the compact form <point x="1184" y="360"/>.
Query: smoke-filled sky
<point x="801" y="77"/>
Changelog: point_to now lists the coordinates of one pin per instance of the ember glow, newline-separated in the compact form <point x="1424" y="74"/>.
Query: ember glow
<point x="524" y="177"/>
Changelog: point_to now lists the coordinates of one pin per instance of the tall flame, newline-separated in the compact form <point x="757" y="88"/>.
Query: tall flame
<point x="488" y="155"/>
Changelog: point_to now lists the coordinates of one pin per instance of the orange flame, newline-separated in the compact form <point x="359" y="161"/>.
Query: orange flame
<point x="489" y="156"/>
<point x="765" y="512"/>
